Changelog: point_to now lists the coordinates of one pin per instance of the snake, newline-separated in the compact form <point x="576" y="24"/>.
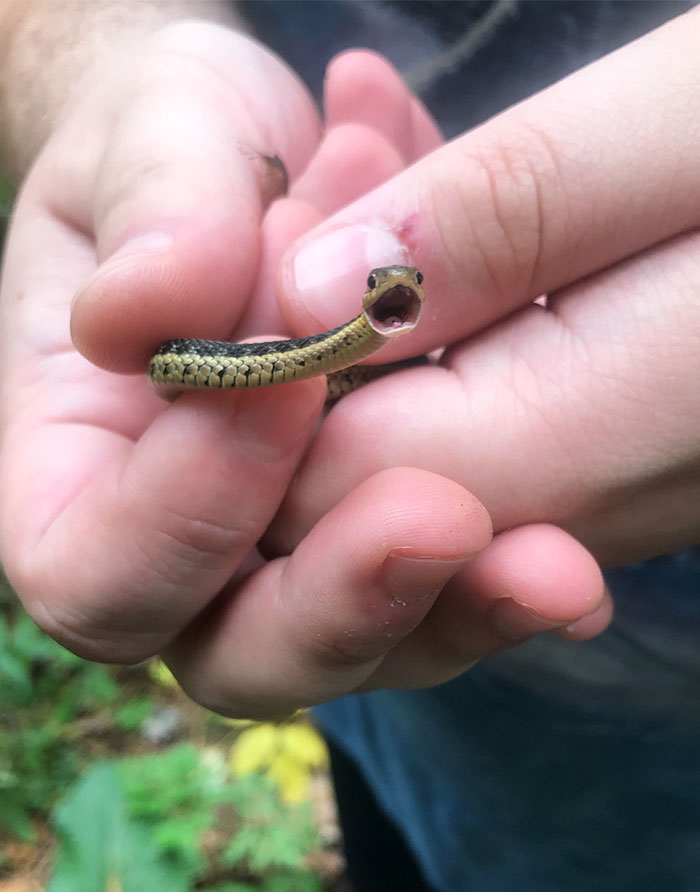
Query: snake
<point x="391" y="306"/>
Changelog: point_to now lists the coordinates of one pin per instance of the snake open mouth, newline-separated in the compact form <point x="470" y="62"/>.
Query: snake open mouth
<point x="395" y="310"/>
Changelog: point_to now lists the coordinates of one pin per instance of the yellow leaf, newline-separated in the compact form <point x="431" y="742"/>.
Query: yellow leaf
<point x="292" y="777"/>
<point x="235" y="723"/>
<point x="160" y="673"/>
<point x="305" y="744"/>
<point x="254" y="749"/>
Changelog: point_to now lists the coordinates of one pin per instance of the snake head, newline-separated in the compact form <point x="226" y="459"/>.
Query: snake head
<point x="393" y="300"/>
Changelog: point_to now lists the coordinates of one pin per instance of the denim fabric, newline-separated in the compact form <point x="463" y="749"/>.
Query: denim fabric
<point x="556" y="766"/>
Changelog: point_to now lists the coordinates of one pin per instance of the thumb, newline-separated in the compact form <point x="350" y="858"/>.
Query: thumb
<point x="210" y="126"/>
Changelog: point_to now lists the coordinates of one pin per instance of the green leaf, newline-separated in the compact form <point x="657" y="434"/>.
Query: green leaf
<point x="300" y="881"/>
<point x="235" y="887"/>
<point x="133" y="714"/>
<point x="30" y="643"/>
<point x="272" y="833"/>
<point x="102" y="849"/>
<point x="15" y="678"/>
<point x="177" y="781"/>
<point x="14" y="815"/>
<point x="181" y="837"/>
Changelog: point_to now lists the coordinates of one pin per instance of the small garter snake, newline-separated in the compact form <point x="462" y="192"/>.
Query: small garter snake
<point x="391" y="306"/>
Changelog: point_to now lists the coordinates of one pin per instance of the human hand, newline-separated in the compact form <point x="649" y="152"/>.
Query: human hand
<point x="147" y="201"/>
<point x="332" y="635"/>
<point x="122" y="520"/>
<point x="583" y="414"/>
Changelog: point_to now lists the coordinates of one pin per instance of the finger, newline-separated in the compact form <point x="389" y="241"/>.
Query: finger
<point x="144" y="535"/>
<point x="591" y="625"/>
<point x="287" y="219"/>
<point x="528" y="581"/>
<point x="544" y="194"/>
<point x="426" y="133"/>
<point x="327" y="615"/>
<point x="577" y="409"/>
<point x="416" y="412"/>
<point x="351" y="160"/>
<point x="180" y="192"/>
<point x="362" y="87"/>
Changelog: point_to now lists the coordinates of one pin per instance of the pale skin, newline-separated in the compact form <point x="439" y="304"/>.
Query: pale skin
<point x="123" y="519"/>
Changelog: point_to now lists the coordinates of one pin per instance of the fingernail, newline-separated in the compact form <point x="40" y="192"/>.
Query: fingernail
<point x="326" y="275"/>
<point x="149" y="245"/>
<point x="408" y="580"/>
<point x="517" y="622"/>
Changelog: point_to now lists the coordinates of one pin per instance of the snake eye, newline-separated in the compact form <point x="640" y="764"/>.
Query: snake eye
<point x="371" y="281"/>
<point x="419" y="277"/>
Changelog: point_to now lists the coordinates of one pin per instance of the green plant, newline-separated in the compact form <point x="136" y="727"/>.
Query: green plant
<point x="179" y="813"/>
<point x="43" y="690"/>
<point x="271" y="834"/>
<point x="102" y="848"/>
<point x="47" y="696"/>
<point x="167" y="820"/>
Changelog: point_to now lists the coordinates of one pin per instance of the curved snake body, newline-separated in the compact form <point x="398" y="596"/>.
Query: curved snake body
<point x="391" y="306"/>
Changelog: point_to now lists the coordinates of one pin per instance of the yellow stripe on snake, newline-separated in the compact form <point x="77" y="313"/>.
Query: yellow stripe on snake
<point x="391" y="306"/>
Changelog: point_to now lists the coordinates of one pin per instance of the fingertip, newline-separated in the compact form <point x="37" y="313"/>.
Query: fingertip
<point x="381" y="557"/>
<point x="407" y="512"/>
<point x="528" y="581"/>
<point x="326" y="616"/>
<point x="363" y="87"/>
<point x="591" y="625"/>
<point x="541" y="568"/>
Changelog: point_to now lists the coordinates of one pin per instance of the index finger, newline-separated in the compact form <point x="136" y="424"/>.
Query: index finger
<point x="592" y="170"/>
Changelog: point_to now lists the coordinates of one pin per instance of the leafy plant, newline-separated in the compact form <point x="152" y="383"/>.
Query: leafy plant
<point x="102" y="847"/>
<point x="177" y="811"/>
<point x="176" y="793"/>
<point x="47" y="698"/>
<point x="131" y="715"/>
<point x="169" y="820"/>
<point x="43" y="690"/>
<point x="270" y="833"/>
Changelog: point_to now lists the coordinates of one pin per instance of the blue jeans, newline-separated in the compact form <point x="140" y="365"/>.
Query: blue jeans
<point x="556" y="766"/>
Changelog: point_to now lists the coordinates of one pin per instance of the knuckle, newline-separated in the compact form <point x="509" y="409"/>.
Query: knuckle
<point x="95" y="628"/>
<point x="339" y="650"/>
<point x="502" y="185"/>
<point x="205" y="543"/>
<point x="125" y="180"/>
<point x="449" y="655"/>
<point x="103" y="638"/>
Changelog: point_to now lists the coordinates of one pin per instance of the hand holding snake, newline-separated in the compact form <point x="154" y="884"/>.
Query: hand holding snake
<point x="127" y="526"/>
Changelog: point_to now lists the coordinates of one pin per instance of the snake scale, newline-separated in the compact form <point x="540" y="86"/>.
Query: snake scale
<point x="391" y="306"/>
